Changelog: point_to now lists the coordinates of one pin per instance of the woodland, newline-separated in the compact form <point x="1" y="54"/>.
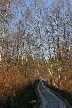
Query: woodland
<point x="35" y="43"/>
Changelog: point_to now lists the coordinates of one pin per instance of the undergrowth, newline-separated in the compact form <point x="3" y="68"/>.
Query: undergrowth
<point x="16" y="91"/>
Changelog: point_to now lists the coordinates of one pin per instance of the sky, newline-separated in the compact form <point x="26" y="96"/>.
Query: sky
<point x="20" y="9"/>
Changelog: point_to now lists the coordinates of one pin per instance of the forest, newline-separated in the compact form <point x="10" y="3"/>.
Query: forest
<point x="35" y="42"/>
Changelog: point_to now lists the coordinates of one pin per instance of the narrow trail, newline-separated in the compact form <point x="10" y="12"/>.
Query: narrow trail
<point x="49" y="99"/>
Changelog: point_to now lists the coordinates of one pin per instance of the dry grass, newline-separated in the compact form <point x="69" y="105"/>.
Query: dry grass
<point x="66" y="85"/>
<point x="10" y="82"/>
<point x="63" y="84"/>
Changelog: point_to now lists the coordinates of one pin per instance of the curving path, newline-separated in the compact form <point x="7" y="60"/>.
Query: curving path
<point x="48" y="99"/>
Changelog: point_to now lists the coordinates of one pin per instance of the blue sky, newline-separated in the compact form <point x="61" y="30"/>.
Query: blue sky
<point x="20" y="8"/>
<point x="50" y="1"/>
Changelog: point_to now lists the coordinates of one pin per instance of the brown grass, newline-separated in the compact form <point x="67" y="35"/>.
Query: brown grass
<point x="66" y="85"/>
<point x="11" y="82"/>
<point x="63" y="84"/>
